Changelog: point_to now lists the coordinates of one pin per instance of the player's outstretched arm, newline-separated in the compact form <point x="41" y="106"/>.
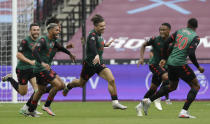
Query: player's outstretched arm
<point x="108" y="43"/>
<point x="62" y="49"/>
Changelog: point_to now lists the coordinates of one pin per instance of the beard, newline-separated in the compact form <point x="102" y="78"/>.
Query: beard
<point x="35" y="36"/>
<point x="55" y="36"/>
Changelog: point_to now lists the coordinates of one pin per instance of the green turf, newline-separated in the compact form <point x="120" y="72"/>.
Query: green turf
<point x="102" y="113"/>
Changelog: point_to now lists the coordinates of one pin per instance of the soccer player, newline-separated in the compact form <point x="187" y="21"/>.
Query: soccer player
<point x="93" y="62"/>
<point x="159" y="73"/>
<point x="185" y="42"/>
<point x="167" y="99"/>
<point x="53" y="53"/>
<point x="24" y="68"/>
<point x="44" y="74"/>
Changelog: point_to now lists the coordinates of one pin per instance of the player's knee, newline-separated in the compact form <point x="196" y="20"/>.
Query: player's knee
<point x="81" y="84"/>
<point x="172" y="87"/>
<point x="196" y="87"/>
<point x="111" y="81"/>
<point x="42" y="91"/>
<point x="154" y="88"/>
<point x="60" y="86"/>
<point x="23" y="92"/>
<point x="165" y="77"/>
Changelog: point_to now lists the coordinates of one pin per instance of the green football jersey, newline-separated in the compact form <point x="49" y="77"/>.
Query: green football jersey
<point x="157" y="44"/>
<point x="97" y="40"/>
<point x="26" y="49"/>
<point x="53" y="52"/>
<point x="182" y="41"/>
<point x="46" y="47"/>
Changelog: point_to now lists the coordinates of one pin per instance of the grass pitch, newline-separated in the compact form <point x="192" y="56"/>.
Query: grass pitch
<point x="102" y="113"/>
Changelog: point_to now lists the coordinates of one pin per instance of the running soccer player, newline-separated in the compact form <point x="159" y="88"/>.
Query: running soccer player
<point x="24" y="68"/>
<point x="167" y="99"/>
<point x="45" y="107"/>
<point x="94" y="62"/>
<point x="159" y="73"/>
<point x="44" y="74"/>
<point x="185" y="42"/>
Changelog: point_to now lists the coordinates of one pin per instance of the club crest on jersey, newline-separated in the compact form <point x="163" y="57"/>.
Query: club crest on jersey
<point x="51" y="44"/>
<point x="92" y="38"/>
<point x="31" y="44"/>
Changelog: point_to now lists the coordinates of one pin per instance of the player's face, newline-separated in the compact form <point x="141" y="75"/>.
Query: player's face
<point x="34" y="32"/>
<point x="55" y="32"/>
<point x="59" y="25"/>
<point x="164" y="31"/>
<point x="100" y="28"/>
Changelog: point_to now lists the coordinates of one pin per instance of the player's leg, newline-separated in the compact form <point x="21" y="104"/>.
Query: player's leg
<point x="22" y="80"/>
<point x="153" y="87"/>
<point x="52" y="78"/>
<point x="106" y="74"/>
<point x="173" y="78"/>
<point x="167" y="99"/>
<point x="25" y="107"/>
<point x="75" y="83"/>
<point x="23" y="77"/>
<point x="149" y="93"/>
<point x="86" y="73"/>
<point x="9" y="78"/>
<point x="189" y="76"/>
<point x="36" y="97"/>
<point x="35" y="87"/>
<point x="155" y="84"/>
<point x="165" y="82"/>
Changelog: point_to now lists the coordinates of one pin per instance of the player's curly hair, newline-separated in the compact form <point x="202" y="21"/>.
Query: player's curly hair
<point x="33" y="24"/>
<point x="97" y="19"/>
<point x="192" y="22"/>
<point x="167" y="24"/>
<point x="52" y="20"/>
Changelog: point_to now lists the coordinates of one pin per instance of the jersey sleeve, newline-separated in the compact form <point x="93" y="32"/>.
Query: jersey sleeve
<point x="41" y="44"/>
<point x="61" y="48"/>
<point x="191" y="50"/>
<point x="23" y="46"/>
<point x="150" y="41"/>
<point x="91" y="42"/>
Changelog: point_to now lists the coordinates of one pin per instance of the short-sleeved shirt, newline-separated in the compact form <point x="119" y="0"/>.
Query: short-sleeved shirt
<point x="157" y="44"/>
<point x="46" y="47"/>
<point x="98" y="41"/>
<point x="182" y="41"/>
<point x="26" y="49"/>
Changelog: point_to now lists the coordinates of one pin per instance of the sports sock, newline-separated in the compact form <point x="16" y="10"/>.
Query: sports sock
<point x="48" y="102"/>
<point x="163" y="90"/>
<point x="114" y="97"/>
<point x="14" y="83"/>
<point x="190" y="98"/>
<point x="149" y="93"/>
<point x="30" y="99"/>
<point x="48" y="89"/>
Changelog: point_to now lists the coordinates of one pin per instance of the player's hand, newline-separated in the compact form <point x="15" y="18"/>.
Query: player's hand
<point x="47" y="67"/>
<point x="109" y="43"/>
<point x="162" y="63"/>
<point x="96" y="60"/>
<point x="146" y="38"/>
<point x="69" y="46"/>
<point x="72" y="57"/>
<point x="33" y="62"/>
<point x="201" y="69"/>
<point x="141" y="61"/>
